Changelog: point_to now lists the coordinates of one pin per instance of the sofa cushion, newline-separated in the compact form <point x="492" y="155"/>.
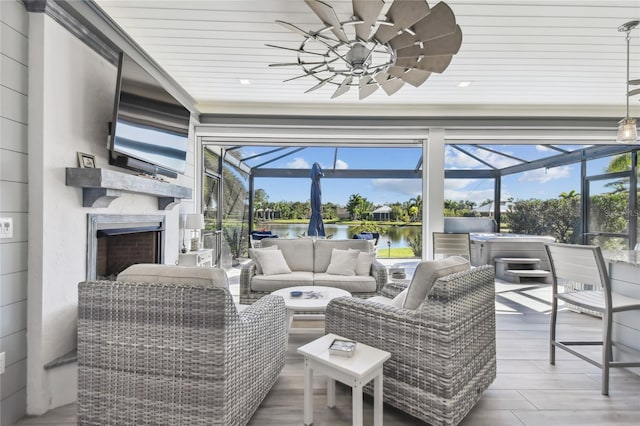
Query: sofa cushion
<point x="397" y="301"/>
<point x="322" y="253"/>
<point x="427" y="273"/>
<point x="272" y="262"/>
<point x="343" y="262"/>
<point x="379" y="299"/>
<point x="353" y="284"/>
<point x="147" y="273"/>
<point x="363" y="265"/>
<point x="298" y="252"/>
<point x="276" y="282"/>
<point x="252" y="256"/>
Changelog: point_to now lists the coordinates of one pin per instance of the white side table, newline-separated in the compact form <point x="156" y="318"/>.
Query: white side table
<point x="202" y="257"/>
<point x="365" y="365"/>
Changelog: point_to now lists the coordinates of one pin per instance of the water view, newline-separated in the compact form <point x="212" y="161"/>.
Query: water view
<point x="398" y="235"/>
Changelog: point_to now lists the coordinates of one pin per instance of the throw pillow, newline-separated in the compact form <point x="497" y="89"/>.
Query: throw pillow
<point x="252" y="256"/>
<point x="343" y="262"/>
<point x="427" y="273"/>
<point x="364" y="262"/>
<point x="272" y="262"/>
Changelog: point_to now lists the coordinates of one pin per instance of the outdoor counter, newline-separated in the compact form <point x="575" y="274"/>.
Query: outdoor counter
<point x="624" y="271"/>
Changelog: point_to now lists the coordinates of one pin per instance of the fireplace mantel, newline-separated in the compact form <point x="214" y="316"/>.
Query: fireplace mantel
<point x="101" y="186"/>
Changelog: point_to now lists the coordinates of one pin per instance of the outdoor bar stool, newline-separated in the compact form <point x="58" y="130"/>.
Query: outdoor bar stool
<point x="585" y="265"/>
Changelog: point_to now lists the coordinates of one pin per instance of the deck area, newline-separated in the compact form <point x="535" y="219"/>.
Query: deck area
<point x="528" y="391"/>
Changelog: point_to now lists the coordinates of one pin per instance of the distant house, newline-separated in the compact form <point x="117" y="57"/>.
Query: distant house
<point x="382" y="213"/>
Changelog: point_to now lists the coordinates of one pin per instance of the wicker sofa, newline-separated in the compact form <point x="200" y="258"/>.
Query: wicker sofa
<point x="443" y="354"/>
<point x="167" y="345"/>
<point x="308" y="260"/>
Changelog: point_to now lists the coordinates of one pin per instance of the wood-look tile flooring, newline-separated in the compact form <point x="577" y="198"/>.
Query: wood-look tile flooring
<point x="528" y="391"/>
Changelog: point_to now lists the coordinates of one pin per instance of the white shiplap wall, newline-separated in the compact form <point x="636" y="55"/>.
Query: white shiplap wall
<point x="13" y="204"/>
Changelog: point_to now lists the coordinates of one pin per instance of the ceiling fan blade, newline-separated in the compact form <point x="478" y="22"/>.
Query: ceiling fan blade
<point x="290" y="64"/>
<point x="367" y="11"/>
<point x="441" y="21"/>
<point x="446" y="45"/>
<point x="295" y="50"/>
<point x="633" y="92"/>
<point x="327" y="14"/>
<point x="414" y="76"/>
<point x="389" y="83"/>
<point x="403" y="14"/>
<point x="295" y="29"/>
<point x="634" y="82"/>
<point x="432" y="63"/>
<point x="367" y="86"/>
<point x="343" y="88"/>
<point x="319" y="85"/>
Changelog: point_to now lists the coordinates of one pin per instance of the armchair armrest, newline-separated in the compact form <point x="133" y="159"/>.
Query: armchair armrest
<point x="379" y="272"/>
<point x="268" y="310"/>
<point x="393" y="288"/>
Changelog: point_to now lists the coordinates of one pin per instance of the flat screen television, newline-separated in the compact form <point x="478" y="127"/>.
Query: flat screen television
<point x="150" y="128"/>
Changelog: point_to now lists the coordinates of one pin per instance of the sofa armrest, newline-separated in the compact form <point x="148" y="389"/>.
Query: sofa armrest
<point x="246" y="274"/>
<point x="379" y="272"/>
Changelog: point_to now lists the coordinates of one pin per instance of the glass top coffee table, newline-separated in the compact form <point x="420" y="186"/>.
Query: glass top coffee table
<point x="313" y="299"/>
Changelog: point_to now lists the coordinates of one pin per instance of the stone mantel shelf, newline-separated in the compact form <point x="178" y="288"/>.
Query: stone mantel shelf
<point x="101" y="186"/>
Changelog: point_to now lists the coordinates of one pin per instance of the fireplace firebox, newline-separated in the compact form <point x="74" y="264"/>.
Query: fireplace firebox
<point x="115" y="242"/>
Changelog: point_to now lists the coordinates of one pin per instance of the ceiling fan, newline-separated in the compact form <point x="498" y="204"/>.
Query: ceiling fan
<point x="384" y="44"/>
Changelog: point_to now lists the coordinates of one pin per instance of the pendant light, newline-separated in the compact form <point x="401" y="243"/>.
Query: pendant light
<point x="627" y="130"/>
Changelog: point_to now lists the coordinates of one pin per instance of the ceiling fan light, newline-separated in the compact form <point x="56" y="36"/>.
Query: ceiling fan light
<point x="627" y="131"/>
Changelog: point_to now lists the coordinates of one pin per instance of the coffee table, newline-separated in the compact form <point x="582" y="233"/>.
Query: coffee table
<point x="365" y="365"/>
<point x="307" y="302"/>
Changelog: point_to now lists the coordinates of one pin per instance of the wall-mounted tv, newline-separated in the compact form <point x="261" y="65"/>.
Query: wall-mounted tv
<point x="150" y="128"/>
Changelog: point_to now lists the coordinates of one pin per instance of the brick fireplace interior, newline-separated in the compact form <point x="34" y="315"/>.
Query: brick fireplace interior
<point x="115" y="242"/>
<point x="119" y="249"/>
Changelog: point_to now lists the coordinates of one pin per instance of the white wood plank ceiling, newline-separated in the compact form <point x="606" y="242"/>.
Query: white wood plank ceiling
<point x="522" y="57"/>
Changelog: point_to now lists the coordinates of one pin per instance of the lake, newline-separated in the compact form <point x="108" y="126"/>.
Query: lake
<point x="398" y="235"/>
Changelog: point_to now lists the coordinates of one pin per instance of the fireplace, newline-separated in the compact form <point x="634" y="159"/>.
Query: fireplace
<point x="114" y="242"/>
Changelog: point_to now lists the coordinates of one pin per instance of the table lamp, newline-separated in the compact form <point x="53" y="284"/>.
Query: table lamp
<point x="195" y="222"/>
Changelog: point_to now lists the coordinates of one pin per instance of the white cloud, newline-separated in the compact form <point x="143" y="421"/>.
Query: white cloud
<point x="542" y="148"/>
<point x="455" y="159"/>
<point x="341" y="165"/>
<point x="407" y="187"/>
<point x="298" y="163"/>
<point x="545" y="175"/>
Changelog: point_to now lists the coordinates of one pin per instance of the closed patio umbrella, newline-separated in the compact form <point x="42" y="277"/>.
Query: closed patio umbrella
<point x="316" y="227"/>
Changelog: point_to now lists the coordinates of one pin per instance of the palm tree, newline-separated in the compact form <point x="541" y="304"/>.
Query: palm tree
<point x="571" y="195"/>
<point x="417" y="203"/>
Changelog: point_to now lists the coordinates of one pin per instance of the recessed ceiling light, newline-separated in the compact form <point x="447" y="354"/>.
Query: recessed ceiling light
<point x="245" y="82"/>
<point x="464" y="84"/>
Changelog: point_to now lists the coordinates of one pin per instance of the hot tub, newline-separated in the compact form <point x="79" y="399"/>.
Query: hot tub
<point x="486" y="246"/>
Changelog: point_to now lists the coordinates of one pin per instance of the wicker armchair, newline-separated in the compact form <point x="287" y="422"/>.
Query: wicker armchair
<point x="173" y="350"/>
<point x="443" y="354"/>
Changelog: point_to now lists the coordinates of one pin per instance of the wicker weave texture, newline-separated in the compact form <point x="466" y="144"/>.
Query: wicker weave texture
<point x="174" y="354"/>
<point x="249" y="296"/>
<point x="443" y="355"/>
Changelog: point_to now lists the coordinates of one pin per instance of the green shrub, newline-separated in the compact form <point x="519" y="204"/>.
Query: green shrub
<point x="415" y="243"/>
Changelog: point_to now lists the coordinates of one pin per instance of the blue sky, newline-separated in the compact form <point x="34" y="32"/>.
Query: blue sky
<point x="539" y="183"/>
